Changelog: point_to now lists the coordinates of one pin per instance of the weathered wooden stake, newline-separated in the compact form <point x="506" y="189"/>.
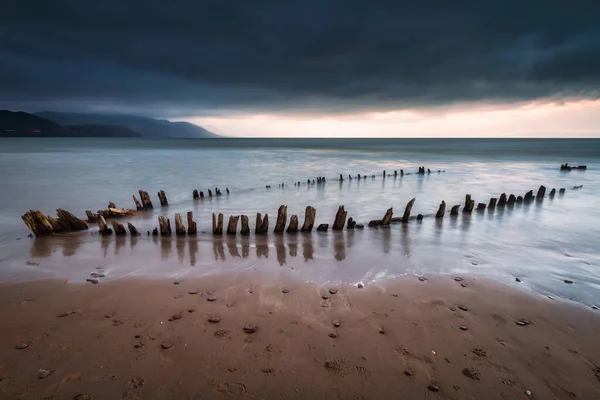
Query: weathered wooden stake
<point x="407" y="210"/>
<point x="481" y="207"/>
<point x="262" y="224"/>
<point x="309" y="219"/>
<point x="541" y="193"/>
<point x="323" y="228"/>
<point x="118" y="228"/>
<point x="492" y="204"/>
<point x="552" y="193"/>
<point x="179" y="226"/>
<point x="561" y="191"/>
<point x="163" y="198"/>
<point x="217" y="224"/>
<point x="281" y="219"/>
<point x="92" y="217"/>
<point x="209" y="193"/>
<point x="233" y="223"/>
<point x="192" y="227"/>
<point x="502" y="200"/>
<point x="104" y="229"/>
<point x="340" y="219"/>
<point x="111" y="205"/>
<point x="351" y="223"/>
<point x="138" y="205"/>
<point x="512" y="199"/>
<point x="528" y="196"/>
<point x="293" y="226"/>
<point x="146" y="201"/>
<point x="132" y="229"/>
<point x="387" y="218"/>
<point x="454" y="209"/>
<point x="469" y="204"/>
<point x="441" y="210"/>
<point x="245" y="228"/>
<point x="164" y="226"/>
<point x="195" y="194"/>
<point x="519" y="199"/>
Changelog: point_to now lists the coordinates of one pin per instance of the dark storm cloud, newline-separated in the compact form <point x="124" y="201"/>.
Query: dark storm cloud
<point x="190" y="57"/>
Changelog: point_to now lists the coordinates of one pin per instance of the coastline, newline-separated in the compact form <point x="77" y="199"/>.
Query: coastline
<point x="385" y="331"/>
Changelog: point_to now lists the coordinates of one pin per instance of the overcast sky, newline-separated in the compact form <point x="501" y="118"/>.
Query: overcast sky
<point x="312" y="67"/>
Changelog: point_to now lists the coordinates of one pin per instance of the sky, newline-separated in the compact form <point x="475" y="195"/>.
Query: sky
<point x="314" y="68"/>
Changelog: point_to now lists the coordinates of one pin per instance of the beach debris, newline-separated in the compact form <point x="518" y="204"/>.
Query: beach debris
<point x="422" y="278"/>
<point x="192" y="292"/>
<point x="250" y="328"/>
<point x="192" y="227"/>
<point x="528" y="393"/>
<point x="419" y="217"/>
<point x="471" y="373"/>
<point x="217" y="224"/>
<point x="463" y="284"/>
<point x="469" y="204"/>
<point x="232" y="225"/>
<point x="175" y="317"/>
<point x="340" y="219"/>
<point x="33" y="263"/>
<point x="21" y="346"/>
<point x="245" y="228"/>
<point x="407" y="211"/>
<point x="103" y="226"/>
<point x="83" y="396"/>
<point x="163" y="198"/>
<point x="93" y="280"/>
<point x="458" y="279"/>
<point x="284" y="291"/>
<point x="568" y="282"/>
<point x="213" y="319"/>
<point x="594" y="307"/>
<point x="44" y="373"/>
<point x="281" y="219"/>
<point x="40" y="224"/>
<point x="262" y="224"/>
<point x="309" y="219"/>
<point x="463" y="308"/>
<point x="138" y="205"/>
<point x="176" y="283"/>
<point x="441" y="210"/>
<point x="433" y="388"/>
<point x="91" y="217"/>
<point x="166" y="345"/>
<point x="463" y="328"/>
<point x="211" y="298"/>
<point x="333" y="291"/>
<point x="360" y="285"/>
<point x="523" y="322"/>
<point x="333" y="335"/>
<point x="146" y="201"/>
<point x="408" y="373"/>
<point x="336" y="323"/>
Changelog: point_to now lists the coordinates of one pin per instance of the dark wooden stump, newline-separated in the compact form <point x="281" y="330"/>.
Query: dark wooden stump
<point x="245" y="228"/>
<point x="138" y="205"/>
<point x="281" y="219"/>
<point x="541" y="193"/>
<point x="146" y="201"/>
<point x="217" y="223"/>
<point x="528" y="196"/>
<point x="179" y="226"/>
<point x="454" y="209"/>
<point x="293" y="226"/>
<point x="387" y="218"/>
<point x="492" y="204"/>
<point x="262" y="224"/>
<point x="441" y="210"/>
<point x="164" y="226"/>
<point x="104" y="229"/>
<point x="155" y="232"/>
<point x="351" y="223"/>
<point x="111" y="205"/>
<point x="552" y="192"/>
<point x="519" y="199"/>
<point x="163" y="198"/>
<point x="91" y="217"/>
<point x="209" y="193"/>
<point x="232" y="225"/>
<point x="502" y="200"/>
<point x="309" y="219"/>
<point x="481" y="207"/>
<point x="469" y="204"/>
<point x="323" y="228"/>
<point x="195" y="194"/>
<point x="407" y="211"/>
<point x="118" y="228"/>
<point x="512" y="199"/>
<point x="561" y="191"/>
<point x="340" y="219"/>
<point x="192" y="226"/>
<point x="419" y="217"/>
<point x="132" y="229"/>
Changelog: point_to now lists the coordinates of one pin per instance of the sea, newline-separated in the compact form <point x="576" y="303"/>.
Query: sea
<point x="539" y="247"/>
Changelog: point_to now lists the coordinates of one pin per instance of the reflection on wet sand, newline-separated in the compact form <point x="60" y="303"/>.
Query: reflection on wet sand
<point x="339" y="246"/>
<point x="405" y="240"/>
<point x="104" y="244"/>
<point x="193" y="248"/>
<point x="293" y="248"/>
<point x="165" y="247"/>
<point x="232" y="247"/>
<point x="307" y="247"/>
<point x="245" y="249"/>
<point x="218" y="250"/>
<point x="262" y="250"/>
<point x="385" y="235"/>
<point x="280" y="249"/>
<point x="133" y="241"/>
<point x="180" y="246"/>
<point x="119" y="243"/>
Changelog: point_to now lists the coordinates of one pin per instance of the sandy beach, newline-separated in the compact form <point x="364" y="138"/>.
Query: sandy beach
<point x="251" y="336"/>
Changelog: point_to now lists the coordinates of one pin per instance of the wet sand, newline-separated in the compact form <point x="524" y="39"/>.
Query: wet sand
<point x="152" y="339"/>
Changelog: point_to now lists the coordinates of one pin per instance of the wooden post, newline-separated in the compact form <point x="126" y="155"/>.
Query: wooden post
<point x="511" y="199"/>
<point x="407" y="210"/>
<point x="195" y="194"/>
<point x="323" y="228"/>
<point x="528" y="196"/>
<point x="502" y="200"/>
<point x="341" y="178"/>
<point x="481" y="207"/>
<point x="541" y="192"/>
<point x="179" y="226"/>
<point x="118" y="228"/>
<point x="138" y="205"/>
<point x="281" y="219"/>
<point x="293" y="226"/>
<point x="519" y="199"/>
<point x="245" y="228"/>
<point x="340" y="219"/>
<point x="132" y="229"/>
<point x="492" y="204"/>
<point x="351" y="223"/>
<point x="92" y="217"/>
<point x="419" y="217"/>
<point x="469" y="204"/>
<point x="441" y="210"/>
<point x="164" y="226"/>
<point x="146" y="201"/>
<point x="217" y="224"/>
<point x="192" y="227"/>
<point x="552" y="193"/>
<point x="104" y="229"/>
<point x="309" y="219"/>
<point x="258" y="227"/>
<point x="233" y="223"/>
<point x="163" y="198"/>
<point x="111" y="205"/>
<point x="454" y="210"/>
<point x="387" y="218"/>
<point x="209" y="193"/>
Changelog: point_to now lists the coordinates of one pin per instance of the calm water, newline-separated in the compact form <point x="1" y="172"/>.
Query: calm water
<point x="541" y="243"/>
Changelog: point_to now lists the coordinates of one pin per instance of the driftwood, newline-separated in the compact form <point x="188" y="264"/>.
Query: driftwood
<point x="407" y="210"/>
<point x="91" y="217"/>
<point x="233" y="223"/>
<point x="146" y="201"/>
<point x="387" y="218"/>
<point x="164" y="225"/>
<point x="323" y="228"/>
<point x="340" y="219"/>
<point x="111" y="205"/>
<point x="293" y="226"/>
<point x="492" y="204"/>
<point x="469" y="204"/>
<point x="281" y="219"/>
<point x="115" y="212"/>
<point x="217" y="224"/>
<point x="138" y="205"/>
<point x="502" y="200"/>
<point x="528" y="196"/>
<point x="512" y="199"/>
<point x="104" y="229"/>
<point x="132" y="229"/>
<point x="163" y="198"/>
<point x="541" y="192"/>
<point x="309" y="219"/>
<point x="40" y="224"/>
<point x="118" y="228"/>
<point x="192" y="227"/>
<point x="441" y="210"/>
<point x="481" y="207"/>
<point x="374" y="222"/>
<point x="245" y="228"/>
<point x="454" y="209"/>
<point x="179" y="226"/>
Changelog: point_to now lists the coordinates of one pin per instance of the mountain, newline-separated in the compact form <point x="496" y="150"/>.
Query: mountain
<point x="103" y="131"/>
<point x="22" y="124"/>
<point x="147" y="127"/>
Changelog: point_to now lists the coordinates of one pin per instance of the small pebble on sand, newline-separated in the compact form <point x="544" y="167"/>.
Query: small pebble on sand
<point x="176" y="283"/>
<point x="517" y="279"/>
<point x="325" y="297"/>
<point x="175" y="317"/>
<point x="250" y="328"/>
<point x="463" y="328"/>
<point x="92" y="280"/>
<point x="360" y="285"/>
<point x="214" y="319"/>
<point x="336" y="323"/>
<point x="166" y="345"/>
<point x="422" y="278"/>
<point x="44" y="373"/>
<point x="333" y="335"/>
<point x="463" y="284"/>
<point x="408" y="373"/>
<point x="433" y="388"/>
<point x="21" y="346"/>
<point x="522" y="322"/>
<point x="138" y="336"/>
<point x="193" y="292"/>
<point x="211" y="298"/>
<point x="458" y="279"/>
<point x="594" y="307"/>
<point x="463" y="308"/>
<point x="568" y="282"/>
<point x="333" y="291"/>
<point x="284" y="291"/>
<point x="382" y="331"/>
<point x="191" y="310"/>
